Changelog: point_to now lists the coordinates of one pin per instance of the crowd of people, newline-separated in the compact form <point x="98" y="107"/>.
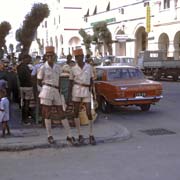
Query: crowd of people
<point x="49" y="85"/>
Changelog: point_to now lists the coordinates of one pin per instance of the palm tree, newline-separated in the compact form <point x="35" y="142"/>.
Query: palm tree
<point x="5" y="27"/>
<point x="26" y="34"/>
<point x="102" y="35"/>
<point x="87" y="39"/>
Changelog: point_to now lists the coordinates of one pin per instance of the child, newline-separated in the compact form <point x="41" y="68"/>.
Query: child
<point x="4" y="112"/>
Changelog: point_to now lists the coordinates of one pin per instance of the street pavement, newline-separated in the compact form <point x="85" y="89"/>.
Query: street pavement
<point x="27" y="137"/>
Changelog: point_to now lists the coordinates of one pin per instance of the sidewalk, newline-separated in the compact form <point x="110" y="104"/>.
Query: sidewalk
<point x="34" y="136"/>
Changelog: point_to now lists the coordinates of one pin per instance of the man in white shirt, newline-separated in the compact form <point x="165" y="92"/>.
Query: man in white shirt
<point x="48" y="78"/>
<point x="81" y="78"/>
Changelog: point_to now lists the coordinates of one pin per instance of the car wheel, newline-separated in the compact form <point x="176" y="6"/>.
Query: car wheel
<point x="175" y="77"/>
<point x="156" y="76"/>
<point x="145" y="107"/>
<point x="105" y="106"/>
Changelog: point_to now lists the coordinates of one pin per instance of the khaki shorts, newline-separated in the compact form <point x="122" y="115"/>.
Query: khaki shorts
<point x="26" y="93"/>
<point x="81" y="99"/>
<point x="49" y="102"/>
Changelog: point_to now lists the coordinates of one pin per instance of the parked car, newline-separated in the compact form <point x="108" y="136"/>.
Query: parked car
<point x="97" y="61"/>
<point x="123" y="60"/>
<point x="125" y="86"/>
<point x="117" y="60"/>
<point x="107" y="60"/>
<point x="61" y="61"/>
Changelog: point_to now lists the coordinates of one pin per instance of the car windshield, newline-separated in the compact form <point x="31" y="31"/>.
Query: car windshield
<point x="127" y="60"/>
<point x="124" y="73"/>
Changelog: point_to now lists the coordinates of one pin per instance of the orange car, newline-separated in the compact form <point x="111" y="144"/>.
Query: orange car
<point x="124" y="86"/>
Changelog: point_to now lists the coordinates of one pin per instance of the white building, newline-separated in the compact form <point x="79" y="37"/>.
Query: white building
<point x="127" y="21"/>
<point x="132" y="30"/>
<point x="61" y="28"/>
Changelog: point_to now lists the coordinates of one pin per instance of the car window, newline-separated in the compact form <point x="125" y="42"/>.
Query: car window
<point x="124" y="73"/>
<point x="115" y="74"/>
<point x="123" y="60"/>
<point x="136" y="73"/>
<point x="99" y="74"/>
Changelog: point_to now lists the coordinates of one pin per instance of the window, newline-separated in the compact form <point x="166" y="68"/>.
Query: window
<point x="108" y="7"/>
<point x="124" y="73"/>
<point x="54" y="21"/>
<point x="45" y="23"/>
<point x="166" y="4"/>
<point x="95" y="10"/>
<point x="99" y="74"/>
<point x="59" y="19"/>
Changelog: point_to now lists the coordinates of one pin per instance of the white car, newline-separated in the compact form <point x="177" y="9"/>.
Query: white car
<point x="123" y="60"/>
<point x="118" y="60"/>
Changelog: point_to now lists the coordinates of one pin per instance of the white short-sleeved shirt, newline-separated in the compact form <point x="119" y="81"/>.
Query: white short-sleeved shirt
<point x="81" y="76"/>
<point x="50" y="76"/>
<point x="4" y="105"/>
<point x="35" y="69"/>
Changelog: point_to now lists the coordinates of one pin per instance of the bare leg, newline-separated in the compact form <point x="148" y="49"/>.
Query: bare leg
<point x="48" y="127"/>
<point x="89" y="115"/>
<point x="92" y="140"/>
<point x="76" y="114"/>
<point x="65" y="123"/>
<point x="3" y="129"/>
<point x="7" y="128"/>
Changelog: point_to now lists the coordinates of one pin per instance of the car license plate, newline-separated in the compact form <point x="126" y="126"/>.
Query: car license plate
<point x="143" y="94"/>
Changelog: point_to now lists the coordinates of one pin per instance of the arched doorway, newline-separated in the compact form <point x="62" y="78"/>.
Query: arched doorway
<point x="163" y="43"/>
<point x="121" y="44"/>
<point x="73" y="43"/>
<point x="140" y="41"/>
<point x="177" y="46"/>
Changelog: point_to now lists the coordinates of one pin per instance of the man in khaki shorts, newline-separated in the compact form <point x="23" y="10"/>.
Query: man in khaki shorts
<point x="48" y="78"/>
<point x="81" y="78"/>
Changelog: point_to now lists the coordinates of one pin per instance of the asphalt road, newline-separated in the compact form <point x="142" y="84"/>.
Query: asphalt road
<point x="143" y="157"/>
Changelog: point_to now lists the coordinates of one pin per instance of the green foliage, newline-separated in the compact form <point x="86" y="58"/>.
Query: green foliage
<point x="87" y="39"/>
<point x="26" y="34"/>
<point x="5" y="27"/>
<point x="103" y="35"/>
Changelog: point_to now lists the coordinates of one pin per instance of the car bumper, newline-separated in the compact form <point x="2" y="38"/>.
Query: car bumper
<point x="139" y="98"/>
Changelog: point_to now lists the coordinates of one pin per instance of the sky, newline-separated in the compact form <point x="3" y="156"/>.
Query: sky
<point x="14" y="11"/>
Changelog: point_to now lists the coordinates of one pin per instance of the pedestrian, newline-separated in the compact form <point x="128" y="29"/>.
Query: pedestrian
<point x="26" y="86"/>
<point x="34" y="72"/>
<point x="64" y="87"/>
<point x="37" y="88"/>
<point x="81" y="79"/>
<point x="4" y="112"/>
<point x="48" y="77"/>
<point x="66" y="68"/>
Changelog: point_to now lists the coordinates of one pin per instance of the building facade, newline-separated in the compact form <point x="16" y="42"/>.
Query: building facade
<point x="135" y="25"/>
<point x="138" y="25"/>
<point x="61" y="28"/>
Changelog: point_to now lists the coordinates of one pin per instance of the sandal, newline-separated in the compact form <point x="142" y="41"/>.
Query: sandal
<point x="92" y="140"/>
<point x="71" y="140"/>
<point x="51" y="140"/>
<point x="81" y="139"/>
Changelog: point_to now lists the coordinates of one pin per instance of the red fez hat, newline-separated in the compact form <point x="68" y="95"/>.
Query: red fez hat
<point x="77" y="52"/>
<point x="49" y="49"/>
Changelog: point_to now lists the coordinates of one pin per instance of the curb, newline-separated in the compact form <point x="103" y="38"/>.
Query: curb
<point x="115" y="137"/>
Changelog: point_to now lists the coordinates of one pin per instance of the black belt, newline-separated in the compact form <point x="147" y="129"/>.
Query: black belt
<point x="50" y="85"/>
<point x="85" y="85"/>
